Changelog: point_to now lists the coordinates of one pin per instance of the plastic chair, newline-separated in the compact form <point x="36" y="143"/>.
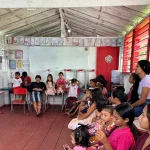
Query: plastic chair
<point x="19" y="91"/>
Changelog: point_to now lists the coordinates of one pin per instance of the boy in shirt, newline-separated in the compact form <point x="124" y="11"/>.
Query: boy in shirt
<point x="37" y="88"/>
<point x="17" y="80"/>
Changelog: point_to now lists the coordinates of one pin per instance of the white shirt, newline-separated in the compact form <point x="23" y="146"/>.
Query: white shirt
<point x="145" y="82"/>
<point x="73" y="91"/>
<point x="16" y="82"/>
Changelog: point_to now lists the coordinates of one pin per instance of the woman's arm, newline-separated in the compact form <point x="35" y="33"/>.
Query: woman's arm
<point x="89" y="112"/>
<point x="100" y="135"/>
<point x="145" y="91"/>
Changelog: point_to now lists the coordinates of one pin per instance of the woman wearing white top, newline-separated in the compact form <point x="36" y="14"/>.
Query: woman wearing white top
<point x="143" y="71"/>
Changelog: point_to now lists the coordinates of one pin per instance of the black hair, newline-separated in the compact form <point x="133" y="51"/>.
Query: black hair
<point x="121" y="88"/>
<point x="148" y="113"/>
<point x="145" y="66"/>
<point x="120" y="95"/>
<point x="61" y="73"/>
<point x="38" y="76"/>
<point x="109" y="108"/>
<point x="101" y="102"/>
<point x="101" y="79"/>
<point x="81" y="135"/>
<point x="134" y="94"/>
<point x="50" y="75"/>
<point x="93" y="80"/>
<point x="17" y="73"/>
<point x="24" y="74"/>
<point x="125" y="110"/>
<point x="73" y="80"/>
<point x="96" y="93"/>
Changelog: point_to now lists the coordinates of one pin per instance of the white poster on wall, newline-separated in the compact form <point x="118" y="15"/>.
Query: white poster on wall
<point x="21" y="40"/>
<point x="48" y="41"/>
<point x="32" y="41"/>
<point x="27" y="41"/>
<point x="42" y="41"/>
<point x="37" y="41"/>
<point x="81" y="42"/>
<point x="16" y="40"/>
<point x="57" y="41"/>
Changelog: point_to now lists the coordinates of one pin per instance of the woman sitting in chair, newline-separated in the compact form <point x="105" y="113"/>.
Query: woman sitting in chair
<point x="37" y="88"/>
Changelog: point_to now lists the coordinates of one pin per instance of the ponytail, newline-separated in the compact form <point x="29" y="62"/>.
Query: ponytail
<point x="134" y="131"/>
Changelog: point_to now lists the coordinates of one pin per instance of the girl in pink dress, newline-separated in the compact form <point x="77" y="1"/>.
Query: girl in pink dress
<point x="79" y="138"/>
<point x="124" y="136"/>
<point x="50" y="87"/>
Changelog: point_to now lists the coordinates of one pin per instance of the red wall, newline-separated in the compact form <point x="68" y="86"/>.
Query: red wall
<point x="104" y="68"/>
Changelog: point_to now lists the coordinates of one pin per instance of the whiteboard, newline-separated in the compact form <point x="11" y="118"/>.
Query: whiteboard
<point x="57" y="59"/>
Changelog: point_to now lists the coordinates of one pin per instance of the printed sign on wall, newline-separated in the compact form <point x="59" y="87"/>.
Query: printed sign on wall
<point x="12" y="64"/>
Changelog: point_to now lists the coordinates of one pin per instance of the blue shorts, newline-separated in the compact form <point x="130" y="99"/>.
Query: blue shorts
<point x="139" y="109"/>
<point x="36" y="96"/>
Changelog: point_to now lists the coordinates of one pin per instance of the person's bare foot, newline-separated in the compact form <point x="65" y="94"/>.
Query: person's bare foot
<point x="67" y="113"/>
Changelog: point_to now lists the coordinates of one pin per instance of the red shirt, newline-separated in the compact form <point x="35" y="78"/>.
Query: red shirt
<point x="26" y="80"/>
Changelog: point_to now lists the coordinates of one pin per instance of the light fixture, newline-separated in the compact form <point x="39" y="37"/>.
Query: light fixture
<point x="69" y="30"/>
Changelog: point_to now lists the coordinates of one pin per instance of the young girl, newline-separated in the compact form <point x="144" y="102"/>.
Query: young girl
<point x="61" y="82"/>
<point x="85" y="100"/>
<point x="124" y="136"/>
<point x="143" y="142"/>
<point x="92" y="83"/>
<point x="50" y="87"/>
<point x="79" y="138"/>
<point x="133" y="93"/>
<point x="118" y="97"/>
<point x="73" y="92"/>
<point x="101" y="83"/>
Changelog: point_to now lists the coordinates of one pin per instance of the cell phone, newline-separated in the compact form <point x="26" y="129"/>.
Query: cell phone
<point x="65" y="148"/>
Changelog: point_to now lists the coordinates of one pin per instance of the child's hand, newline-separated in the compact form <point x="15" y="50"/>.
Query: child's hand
<point x="66" y="147"/>
<point x="39" y="89"/>
<point x="100" y="135"/>
<point x="110" y="99"/>
<point x="35" y="89"/>
<point x="101" y="123"/>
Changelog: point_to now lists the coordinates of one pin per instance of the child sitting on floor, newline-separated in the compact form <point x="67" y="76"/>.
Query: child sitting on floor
<point x="61" y="82"/>
<point x="92" y="83"/>
<point x="73" y="92"/>
<point x="118" y="97"/>
<point x="79" y="138"/>
<point x="106" y="124"/>
<point x="50" y="88"/>
<point x="75" y="107"/>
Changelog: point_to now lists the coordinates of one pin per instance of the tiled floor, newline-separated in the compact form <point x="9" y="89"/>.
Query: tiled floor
<point x="28" y="132"/>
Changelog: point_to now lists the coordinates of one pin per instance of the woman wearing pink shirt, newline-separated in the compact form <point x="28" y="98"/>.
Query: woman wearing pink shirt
<point x="123" y="137"/>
